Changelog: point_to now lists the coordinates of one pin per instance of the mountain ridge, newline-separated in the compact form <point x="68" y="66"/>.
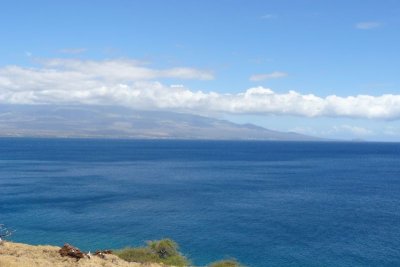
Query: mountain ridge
<point x="94" y="121"/>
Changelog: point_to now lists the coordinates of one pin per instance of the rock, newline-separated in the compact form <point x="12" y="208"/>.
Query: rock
<point x="69" y="251"/>
<point x="102" y="253"/>
<point x="107" y="251"/>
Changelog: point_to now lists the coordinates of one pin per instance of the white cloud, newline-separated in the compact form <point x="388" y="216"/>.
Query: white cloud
<point x="177" y="86"/>
<point x="354" y="130"/>
<point x="129" y="83"/>
<point x="367" y="25"/>
<point x="121" y="69"/>
<point x="267" y="76"/>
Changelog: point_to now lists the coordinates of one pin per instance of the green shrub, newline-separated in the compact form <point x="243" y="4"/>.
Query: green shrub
<point x="141" y="255"/>
<point x="160" y="251"/>
<point x="164" y="248"/>
<point x="226" y="263"/>
<point x="177" y="260"/>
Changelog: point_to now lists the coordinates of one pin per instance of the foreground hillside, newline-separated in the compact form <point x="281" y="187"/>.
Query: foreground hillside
<point x="22" y="255"/>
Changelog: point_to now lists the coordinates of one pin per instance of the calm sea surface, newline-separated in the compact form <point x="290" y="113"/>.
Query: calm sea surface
<point x="264" y="203"/>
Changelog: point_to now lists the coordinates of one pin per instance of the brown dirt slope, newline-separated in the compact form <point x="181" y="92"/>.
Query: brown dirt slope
<point x="22" y="255"/>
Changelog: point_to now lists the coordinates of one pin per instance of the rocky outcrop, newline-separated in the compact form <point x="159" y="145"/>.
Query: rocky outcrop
<point x="69" y="251"/>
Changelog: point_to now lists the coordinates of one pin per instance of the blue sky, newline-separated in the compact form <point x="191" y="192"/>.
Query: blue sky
<point x="319" y="48"/>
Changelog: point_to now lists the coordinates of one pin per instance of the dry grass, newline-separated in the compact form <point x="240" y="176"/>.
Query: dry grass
<point x="22" y="255"/>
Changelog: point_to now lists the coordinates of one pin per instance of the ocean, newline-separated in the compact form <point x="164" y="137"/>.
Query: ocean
<point x="263" y="203"/>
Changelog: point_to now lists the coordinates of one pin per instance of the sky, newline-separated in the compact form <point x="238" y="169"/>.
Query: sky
<point x="319" y="67"/>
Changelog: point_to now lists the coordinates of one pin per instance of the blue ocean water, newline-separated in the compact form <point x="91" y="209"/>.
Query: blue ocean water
<point x="264" y="203"/>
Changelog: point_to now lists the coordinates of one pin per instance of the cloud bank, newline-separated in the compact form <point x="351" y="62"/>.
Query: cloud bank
<point x="131" y="84"/>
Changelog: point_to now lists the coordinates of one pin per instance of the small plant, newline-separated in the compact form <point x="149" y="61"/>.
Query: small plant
<point x="160" y="251"/>
<point x="5" y="232"/>
<point x="226" y="263"/>
<point x="164" y="248"/>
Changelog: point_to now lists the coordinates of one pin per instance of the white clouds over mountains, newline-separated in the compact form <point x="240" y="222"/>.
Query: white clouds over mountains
<point x="131" y="84"/>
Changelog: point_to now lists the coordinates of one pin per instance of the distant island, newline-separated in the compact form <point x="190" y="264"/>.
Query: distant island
<point x="91" y="121"/>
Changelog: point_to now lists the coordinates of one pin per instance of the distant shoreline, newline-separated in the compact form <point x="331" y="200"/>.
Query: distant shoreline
<point x="186" y="139"/>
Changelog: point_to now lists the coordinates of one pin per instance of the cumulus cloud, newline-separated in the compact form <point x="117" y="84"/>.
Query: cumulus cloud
<point x="131" y="84"/>
<point x="367" y="25"/>
<point x="267" y="76"/>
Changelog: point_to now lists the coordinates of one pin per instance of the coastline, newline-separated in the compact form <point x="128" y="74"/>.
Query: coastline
<point x="25" y="255"/>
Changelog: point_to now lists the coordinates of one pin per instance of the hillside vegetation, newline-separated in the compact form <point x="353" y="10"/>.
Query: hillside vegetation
<point x="22" y="255"/>
<point x="159" y="253"/>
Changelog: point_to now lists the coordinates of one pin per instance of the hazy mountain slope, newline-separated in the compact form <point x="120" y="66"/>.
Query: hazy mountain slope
<point x="118" y="122"/>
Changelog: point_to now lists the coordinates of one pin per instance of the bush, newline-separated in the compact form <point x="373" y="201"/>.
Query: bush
<point x="141" y="255"/>
<point x="226" y="263"/>
<point x="177" y="260"/>
<point x="164" y="248"/>
<point x="160" y="251"/>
